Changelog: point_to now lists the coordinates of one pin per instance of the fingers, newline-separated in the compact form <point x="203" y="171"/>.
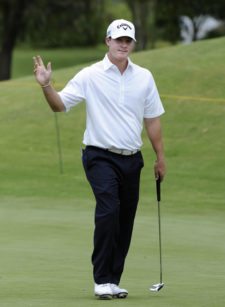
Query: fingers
<point x="42" y="73"/>
<point x="35" y="63"/>
<point x="34" y="60"/>
<point x="38" y="62"/>
<point x="158" y="176"/>
<point x="159" y="170"/>
<point x="39" y="67"/>
<point x="49" y="67"/>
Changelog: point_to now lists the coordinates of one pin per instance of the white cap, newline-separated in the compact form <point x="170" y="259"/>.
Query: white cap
<point x="121" y="27"/>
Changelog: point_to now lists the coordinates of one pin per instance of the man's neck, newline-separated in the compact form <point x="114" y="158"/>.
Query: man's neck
<point x="121" y="65"/>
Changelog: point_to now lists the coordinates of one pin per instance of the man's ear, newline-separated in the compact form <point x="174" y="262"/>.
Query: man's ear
<point x="107" y="40"/>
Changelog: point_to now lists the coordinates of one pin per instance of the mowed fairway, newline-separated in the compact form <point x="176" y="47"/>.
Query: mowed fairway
<point x="46" y="218"/>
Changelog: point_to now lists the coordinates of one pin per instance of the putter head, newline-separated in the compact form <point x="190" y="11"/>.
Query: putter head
<point x="156" y="287"/>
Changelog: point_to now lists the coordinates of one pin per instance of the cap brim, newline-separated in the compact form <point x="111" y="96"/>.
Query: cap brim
<point x="122" y="35"/>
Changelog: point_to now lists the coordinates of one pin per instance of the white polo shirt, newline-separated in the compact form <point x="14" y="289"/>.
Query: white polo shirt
<point x="115" y="104"/>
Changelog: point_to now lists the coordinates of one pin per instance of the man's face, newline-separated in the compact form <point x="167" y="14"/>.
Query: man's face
<point x="120" y="48"/>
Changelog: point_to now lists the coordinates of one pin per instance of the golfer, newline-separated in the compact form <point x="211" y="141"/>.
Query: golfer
<point x="120" y="96"/>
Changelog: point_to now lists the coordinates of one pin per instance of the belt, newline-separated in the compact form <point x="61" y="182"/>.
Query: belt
<point x="124" y="152"/>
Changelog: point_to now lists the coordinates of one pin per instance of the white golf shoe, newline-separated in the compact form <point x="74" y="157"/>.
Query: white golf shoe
<point x="118" y="292"/>
<point x="103" y="291"/>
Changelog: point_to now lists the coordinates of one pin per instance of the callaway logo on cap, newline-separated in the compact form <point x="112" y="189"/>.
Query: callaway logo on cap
<point x="121" y="27"/>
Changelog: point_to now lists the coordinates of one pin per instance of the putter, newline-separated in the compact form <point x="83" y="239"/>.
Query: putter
<point x="159" y="286"/>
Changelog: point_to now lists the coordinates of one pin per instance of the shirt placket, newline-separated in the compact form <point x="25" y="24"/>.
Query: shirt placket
<point x="122" y="90"/>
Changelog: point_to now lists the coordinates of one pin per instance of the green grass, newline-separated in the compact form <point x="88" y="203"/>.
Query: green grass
<point x="23" y="58"/>
<point x="46" y="219"/>
<point x="46" y="246"/>
<point x="196" y="69"/>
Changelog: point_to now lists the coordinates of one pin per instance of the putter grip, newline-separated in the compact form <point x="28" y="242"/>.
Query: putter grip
<point x="158" y="189"/>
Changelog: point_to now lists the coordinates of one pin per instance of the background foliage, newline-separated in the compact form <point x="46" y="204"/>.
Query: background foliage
<point x="69" y="23"/>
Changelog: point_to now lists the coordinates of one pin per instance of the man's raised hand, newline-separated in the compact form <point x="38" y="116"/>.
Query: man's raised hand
<point x="42" y="73"/>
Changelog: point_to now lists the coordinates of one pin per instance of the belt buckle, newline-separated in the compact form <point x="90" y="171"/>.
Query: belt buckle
<point x="126" y="152"/>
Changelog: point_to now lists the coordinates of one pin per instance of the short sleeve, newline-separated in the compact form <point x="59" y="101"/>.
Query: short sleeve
<point x="153" y="104"/>
<point x="74" y="92"/>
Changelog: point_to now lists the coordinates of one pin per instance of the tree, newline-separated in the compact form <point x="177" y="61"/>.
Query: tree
<point x="167" y="19"/>
<point x="60" y="23"/>
<point x="143" y="18"/>
<point x="12" y="12"/>
<point x="47" y="23"/>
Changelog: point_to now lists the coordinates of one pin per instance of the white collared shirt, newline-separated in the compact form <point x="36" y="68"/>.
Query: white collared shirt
<point x="115" y="104"/>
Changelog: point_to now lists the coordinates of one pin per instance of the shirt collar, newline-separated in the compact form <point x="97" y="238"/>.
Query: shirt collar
<point x="107" y="64"/>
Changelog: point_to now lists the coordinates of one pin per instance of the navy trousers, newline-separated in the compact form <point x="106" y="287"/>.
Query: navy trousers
<point x="115" y="181"/>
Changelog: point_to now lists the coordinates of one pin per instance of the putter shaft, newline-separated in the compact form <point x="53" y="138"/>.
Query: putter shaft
<point x="160" y="285"/>
<point x="160" y="243"/>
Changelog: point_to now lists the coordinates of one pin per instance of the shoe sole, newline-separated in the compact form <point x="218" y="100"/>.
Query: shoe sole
<point x="104" y="296"/>
<point x="120" y="295"/>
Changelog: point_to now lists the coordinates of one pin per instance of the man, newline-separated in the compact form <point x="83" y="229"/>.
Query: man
<point x="119" y="95"/>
